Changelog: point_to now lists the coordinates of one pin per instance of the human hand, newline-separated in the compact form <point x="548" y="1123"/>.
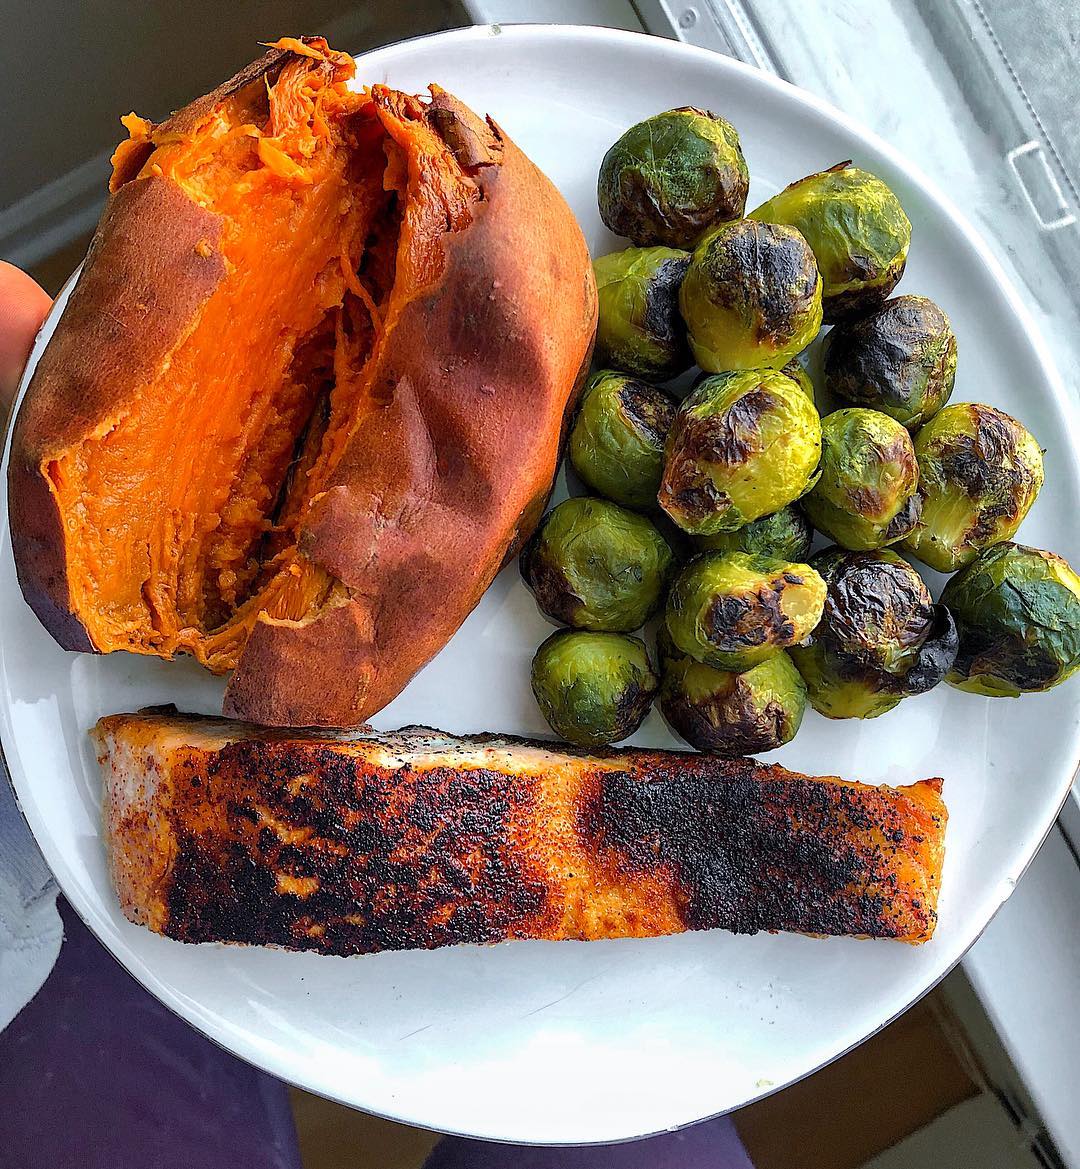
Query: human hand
<point x="23" y="305"/>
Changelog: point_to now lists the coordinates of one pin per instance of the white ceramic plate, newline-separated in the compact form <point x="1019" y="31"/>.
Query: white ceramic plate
<point x="576" y="1042"/>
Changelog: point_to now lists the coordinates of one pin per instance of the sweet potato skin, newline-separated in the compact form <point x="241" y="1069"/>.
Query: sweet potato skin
<point x="415" y="839"/>
<point x="439" y="486"/>
<point x="434" y="491"/>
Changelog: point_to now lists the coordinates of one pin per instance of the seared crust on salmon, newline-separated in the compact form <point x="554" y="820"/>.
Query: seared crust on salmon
<point x="367" y="841"/>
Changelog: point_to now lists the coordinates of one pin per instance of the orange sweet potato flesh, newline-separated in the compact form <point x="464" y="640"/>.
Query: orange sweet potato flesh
<point x="309" y="392"/>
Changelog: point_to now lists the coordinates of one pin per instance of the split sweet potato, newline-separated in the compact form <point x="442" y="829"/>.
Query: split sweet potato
<point x="308" y="393"/>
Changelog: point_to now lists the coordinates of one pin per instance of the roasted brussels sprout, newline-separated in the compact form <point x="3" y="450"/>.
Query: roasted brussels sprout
<point x="640" y="329"/>
<point x="593" y="688"/>
<point x="743" y="445"/>
<point x="786" y="534"/>
<point x="732" y="610"/>
<point x="670" y="178"/>
<point x="751" y="297"/>
<point x="726" y="713"/>
<point x="857" y="228"/>
<point x="797" y="372"/>
<point x="617" y="442"/>
<point x="881" y="636"/>
<point x="901" y="360"/>
<point x="1017" y="611"/>
<point x="794" y="370"/>
<point x="594" y="565"/>
<point x="866" y="495"/>
<point x="979" y="473"/>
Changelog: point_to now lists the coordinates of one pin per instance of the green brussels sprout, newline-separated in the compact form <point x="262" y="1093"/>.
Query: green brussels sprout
<point x="794" y="370"/>
<point x="640" y="329"/>
<point x="786" y="534"/>
<point x="617" y="442"/>
<point x="1017" y="611"/>
<point x="857" y="228"/>
<point x="797" y="372"/>
<point x="743" y="445"/>
<point x="866" y="496"/>
<point x="594" y="565"/>
<point x="751" y="297"/>
<point x="593" y="688"/>
<point x="901" y="360"/>
<point x="730" y="714"/>
<point x="881" y="636"/>
<point x="671" y="177"/>
<point x="735" y="609"/>
<point x="979" y="473"/>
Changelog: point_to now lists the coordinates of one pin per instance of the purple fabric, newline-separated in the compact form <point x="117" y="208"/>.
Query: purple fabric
<point x="96" y="1074"/>
<point x="713" y="1144"/>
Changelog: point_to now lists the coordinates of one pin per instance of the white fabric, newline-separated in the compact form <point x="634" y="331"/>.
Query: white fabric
<point x="30" y="927"/>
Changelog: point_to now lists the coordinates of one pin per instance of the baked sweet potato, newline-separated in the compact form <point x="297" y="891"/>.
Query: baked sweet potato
<point x="308" y="393"/>
<point x="413" y="839"/>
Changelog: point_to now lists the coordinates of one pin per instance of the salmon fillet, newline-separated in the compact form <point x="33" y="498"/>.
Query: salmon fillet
<point x="361" y="841"/>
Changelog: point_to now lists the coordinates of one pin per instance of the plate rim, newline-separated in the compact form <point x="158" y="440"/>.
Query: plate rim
<point x="1070" y="411"/>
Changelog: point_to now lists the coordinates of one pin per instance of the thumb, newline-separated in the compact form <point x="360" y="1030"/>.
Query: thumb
<point x="23" y="305"/>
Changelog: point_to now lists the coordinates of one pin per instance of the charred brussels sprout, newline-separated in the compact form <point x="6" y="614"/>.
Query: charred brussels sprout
<point x="730" y="714"/>
<point x="881" y="636"/>
<point x="640" y="329"/>
<point x="751" y="297"/>
<point x="797" y="372"/>
<point x="866" y="495"/>
<point x="617" y="443"/>
<point x="1017" y="610"/>
<point x="785" y="534"/>
<point x="732" y="610"/>
<point x="593" y="688"/>
<point x="979" y="473"/>
<point x="670" y="178"/>
<point x="857" y="228"/>
<point x="901" y="360"/>
<point x="743" y="445"/>
<point x="595" y="565"/>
